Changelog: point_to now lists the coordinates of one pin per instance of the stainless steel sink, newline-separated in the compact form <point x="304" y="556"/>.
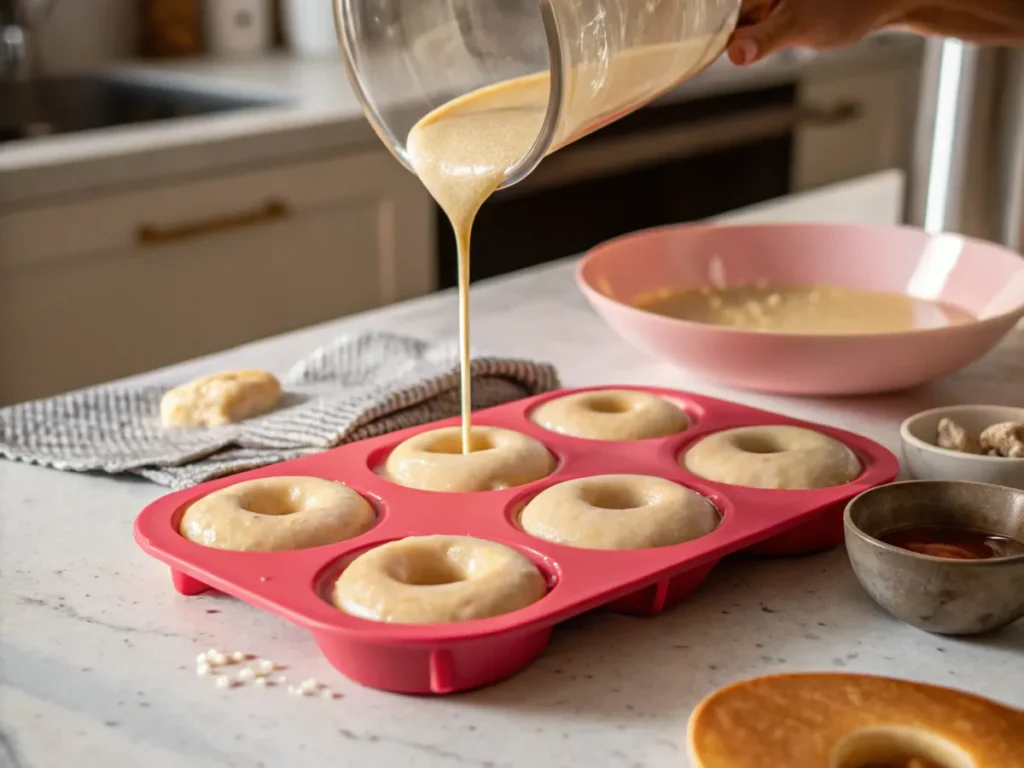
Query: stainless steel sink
<point x="46" y="106"/>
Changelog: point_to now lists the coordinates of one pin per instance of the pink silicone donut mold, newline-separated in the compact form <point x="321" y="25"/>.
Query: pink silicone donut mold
<point x="446" y="658"/>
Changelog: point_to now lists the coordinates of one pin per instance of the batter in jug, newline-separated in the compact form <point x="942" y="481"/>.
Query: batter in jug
<point x="463" y="150"/>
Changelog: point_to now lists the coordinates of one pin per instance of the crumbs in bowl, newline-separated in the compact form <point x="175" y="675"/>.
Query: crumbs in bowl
<point x="1005" y="439"/>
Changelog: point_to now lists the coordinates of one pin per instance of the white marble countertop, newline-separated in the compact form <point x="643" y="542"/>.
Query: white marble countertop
<point x="314" y="110"/>
<point x="97" y="650"/>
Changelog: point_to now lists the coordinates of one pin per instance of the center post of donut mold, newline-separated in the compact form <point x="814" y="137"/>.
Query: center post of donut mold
<point x="608" y="403"/>
<point x="426" y="571"/>
<point x="614" y="496"/>
<point x="474" y="442"/>
<point x="753" y="443"/>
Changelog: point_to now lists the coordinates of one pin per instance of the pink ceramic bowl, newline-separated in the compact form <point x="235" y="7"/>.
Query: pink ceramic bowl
<point x="984" y="279"/>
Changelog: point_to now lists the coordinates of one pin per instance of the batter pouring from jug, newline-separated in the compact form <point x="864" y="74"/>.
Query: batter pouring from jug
<point x="465" y="149"/>
<point x="603" y="59"/>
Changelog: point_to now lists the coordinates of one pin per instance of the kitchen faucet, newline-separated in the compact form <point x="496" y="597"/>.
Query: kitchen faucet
<point x="18" y="20"/>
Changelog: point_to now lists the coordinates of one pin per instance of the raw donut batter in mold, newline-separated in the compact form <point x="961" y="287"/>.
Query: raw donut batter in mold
<point x="611" y="414"/>
<point x="501" y="458"/>
<point x="619" y="512"/>
<point x="438" y="580"/>
<point x="277" y="513"/>
<point x="773" y="457"/>
<point x="852" y="721"/>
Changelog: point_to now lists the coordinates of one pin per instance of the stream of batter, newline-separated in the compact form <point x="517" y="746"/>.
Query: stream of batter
<point x="463" y="150"/>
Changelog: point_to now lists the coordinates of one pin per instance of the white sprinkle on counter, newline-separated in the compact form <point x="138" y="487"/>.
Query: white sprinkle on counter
<point x="257" y="671"/>
<point x="217" y="659"/>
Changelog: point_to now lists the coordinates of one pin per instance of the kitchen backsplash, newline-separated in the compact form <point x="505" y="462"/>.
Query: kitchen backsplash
<point x="79" y="34"/>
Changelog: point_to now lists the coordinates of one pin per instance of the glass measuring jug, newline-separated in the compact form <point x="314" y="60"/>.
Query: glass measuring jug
<point x="576" y="65"/>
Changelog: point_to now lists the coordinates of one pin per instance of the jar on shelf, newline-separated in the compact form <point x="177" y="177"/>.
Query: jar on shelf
<point x="171" y="28"/>
<point x="239" y="28"/>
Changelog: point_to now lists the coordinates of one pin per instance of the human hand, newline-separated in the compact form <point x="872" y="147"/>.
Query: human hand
<point x="769" y="26"/>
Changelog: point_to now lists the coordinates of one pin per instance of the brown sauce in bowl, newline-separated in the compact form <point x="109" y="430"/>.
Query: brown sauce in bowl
<point x="953" y="542"/>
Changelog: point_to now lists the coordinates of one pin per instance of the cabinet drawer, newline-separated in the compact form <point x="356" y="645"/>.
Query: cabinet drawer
<point x="103" y="289"/>
<point x="878" y="137"/>
<point x="125" y="220"/>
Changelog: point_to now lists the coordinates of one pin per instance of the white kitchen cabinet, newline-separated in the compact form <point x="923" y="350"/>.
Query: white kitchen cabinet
<point x="875" y="136"/>
<point x="98" y="288"/>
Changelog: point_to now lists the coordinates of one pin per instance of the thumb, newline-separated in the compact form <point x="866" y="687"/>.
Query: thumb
<point x="753" y="42"/>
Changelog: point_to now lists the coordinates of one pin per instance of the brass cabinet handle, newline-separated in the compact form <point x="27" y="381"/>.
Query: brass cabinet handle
<point x="838" y="114"/>
<point x="272" y="210"/>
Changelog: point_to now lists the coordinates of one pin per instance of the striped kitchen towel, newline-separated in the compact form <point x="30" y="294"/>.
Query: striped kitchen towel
<point x="353" y="388"/>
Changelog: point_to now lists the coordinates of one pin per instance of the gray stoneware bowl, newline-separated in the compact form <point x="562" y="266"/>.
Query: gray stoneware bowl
<point x="924" y="460"/>
<point x="939" y="595"/>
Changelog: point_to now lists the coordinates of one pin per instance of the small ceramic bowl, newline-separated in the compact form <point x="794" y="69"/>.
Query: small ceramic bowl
<point x="924" y="460"/>
<point x="984" y="279"/>
<point x="936" y="594"/>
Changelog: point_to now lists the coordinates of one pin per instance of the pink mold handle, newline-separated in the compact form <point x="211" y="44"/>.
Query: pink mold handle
<point x="445" y="658"/>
